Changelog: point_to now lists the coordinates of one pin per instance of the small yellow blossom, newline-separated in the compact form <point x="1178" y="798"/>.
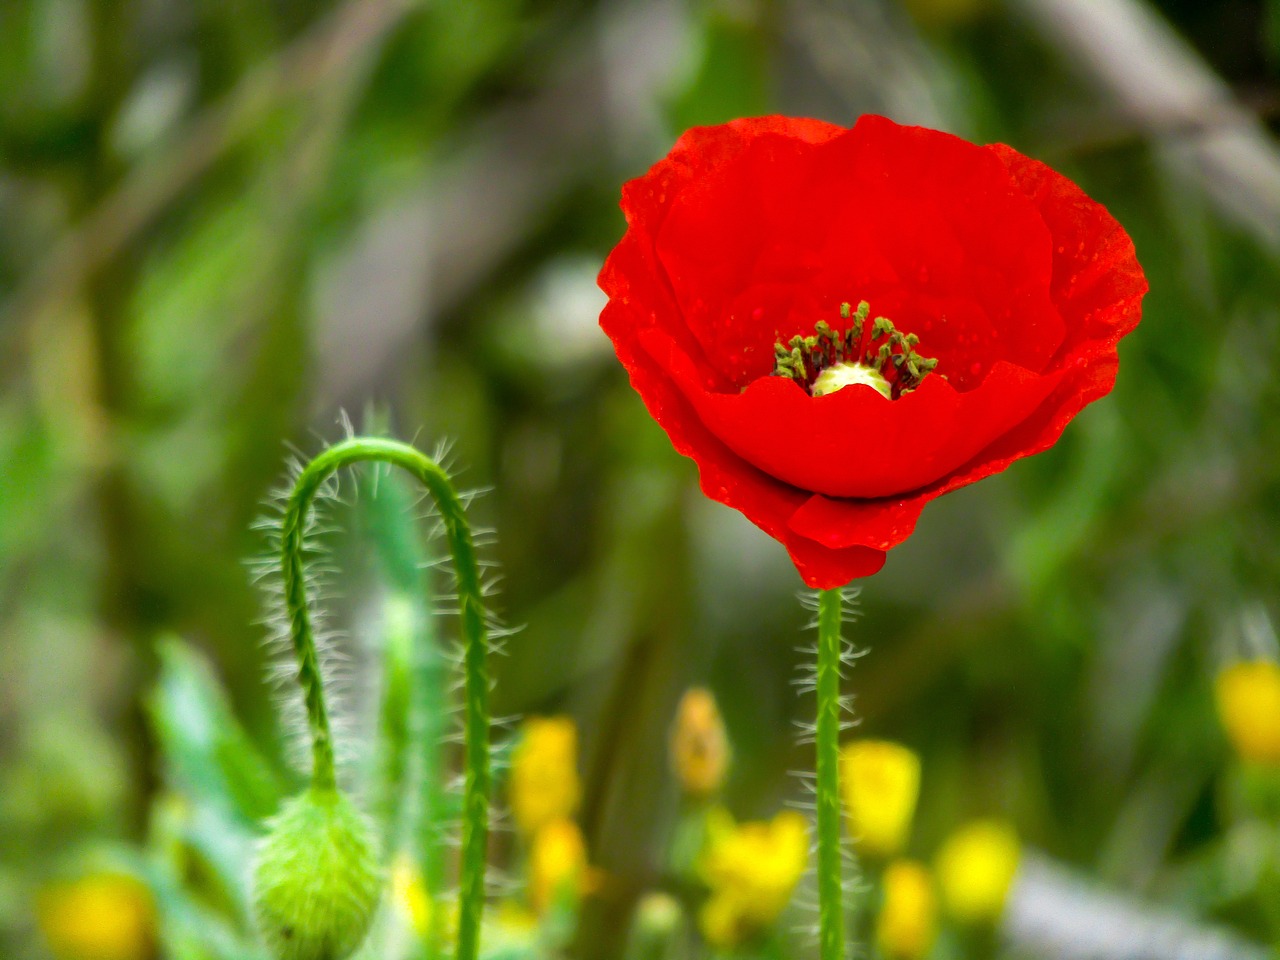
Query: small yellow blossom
<point x="557" y="863"/>
<point x="976" y="867"/>
<point x="751" y="870"/>
<point x="699" y="746"/>
<point x="433" y="921"/>
<point x="409" y="894"/>
<point x="544" y="773"/>
<point x="514" y="920"/>
<point x="1248" y="695"/>
<point x="106" y="916"/>
<point x="880" y="782"/>
<point x="908" y="920"/>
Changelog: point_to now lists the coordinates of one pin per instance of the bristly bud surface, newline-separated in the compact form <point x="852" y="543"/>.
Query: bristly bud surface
<point x="316" y="882"/>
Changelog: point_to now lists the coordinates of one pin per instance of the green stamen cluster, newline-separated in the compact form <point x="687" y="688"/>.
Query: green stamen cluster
<point x="805" y="358"/>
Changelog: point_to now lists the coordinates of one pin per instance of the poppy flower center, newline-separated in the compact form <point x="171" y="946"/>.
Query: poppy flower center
<point x="880" y="356"/>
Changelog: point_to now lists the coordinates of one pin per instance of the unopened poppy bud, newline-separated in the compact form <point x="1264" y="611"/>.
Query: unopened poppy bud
<point x="700" y="751"/>
<point x="976" y="867"/>
<point x="908" y="921"/>
<point x="880" y="782"/>
<point x="656" y="927"/>
<point x="316" y="883"/>
<point x="1248" y="697"/>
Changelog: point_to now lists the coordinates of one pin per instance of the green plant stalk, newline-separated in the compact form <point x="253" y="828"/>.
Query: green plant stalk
<point x="420" y="671"/>
<point x="827" y="738"/>
<point x="436" y="803"/>
<point x="478" y="780"/>
<point x="394" y="726"/>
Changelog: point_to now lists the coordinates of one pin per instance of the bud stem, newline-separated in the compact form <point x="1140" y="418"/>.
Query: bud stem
<point x="831" y="934"/>
<point x="474" y="635"/>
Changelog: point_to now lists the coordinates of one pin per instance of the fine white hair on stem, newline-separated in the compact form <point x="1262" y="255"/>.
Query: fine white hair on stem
<point x="301" y="537"/>
<point x="805" y="683"/>
<point x="344" y="669"/>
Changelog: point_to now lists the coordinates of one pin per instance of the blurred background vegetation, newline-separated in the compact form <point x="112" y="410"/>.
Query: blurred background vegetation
<point x="224" y="222"/>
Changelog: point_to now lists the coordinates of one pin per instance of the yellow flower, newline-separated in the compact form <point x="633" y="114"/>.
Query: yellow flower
<point x="976" y="867"/>
<point x="557" y="864"/>
<point x="699" y="746"/>
<point x="433" y="921"/>
<point x="105" y="916"/>
<point x="1248" y="695"/>
<point x="409" y="894"/>
<point x="513" y="922"/>
<point x="751" y="870"/>
<point x="908" y="920"/>
<point x="544" y="774"/>
<point x="880" y="782"/>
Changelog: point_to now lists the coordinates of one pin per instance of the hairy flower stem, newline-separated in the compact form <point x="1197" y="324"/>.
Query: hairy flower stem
<point x="475" y="827"/>
<point x="830" y="882"/>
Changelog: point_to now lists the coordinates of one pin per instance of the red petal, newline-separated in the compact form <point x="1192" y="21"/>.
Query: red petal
<point x="855" y="442"/>
<point x="697" y="154"/>
<point x="1097" y="282"/>
<point x="824" y="569"/>
<point x="723" y="476"/>
<point x="646" y="200"/>
<point x="1098" y="286"/>
<point x="911" y="220"/>
<point x="841" y="524"/>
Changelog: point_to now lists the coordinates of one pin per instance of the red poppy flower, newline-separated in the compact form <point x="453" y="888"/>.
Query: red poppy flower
<point x="748" y="234"/>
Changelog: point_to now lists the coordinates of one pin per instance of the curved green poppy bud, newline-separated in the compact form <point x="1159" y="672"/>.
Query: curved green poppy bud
<point x="316" y="882"/>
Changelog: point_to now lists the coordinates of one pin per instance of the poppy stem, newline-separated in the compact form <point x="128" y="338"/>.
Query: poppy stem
<point x="831" y="932"/>
<point x="474" y="627"/>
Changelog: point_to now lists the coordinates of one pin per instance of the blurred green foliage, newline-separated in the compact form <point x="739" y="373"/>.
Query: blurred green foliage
<point x="223" y="223"/>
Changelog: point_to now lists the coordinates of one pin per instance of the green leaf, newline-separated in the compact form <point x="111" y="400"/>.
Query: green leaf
<point x="208" y="758"/>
